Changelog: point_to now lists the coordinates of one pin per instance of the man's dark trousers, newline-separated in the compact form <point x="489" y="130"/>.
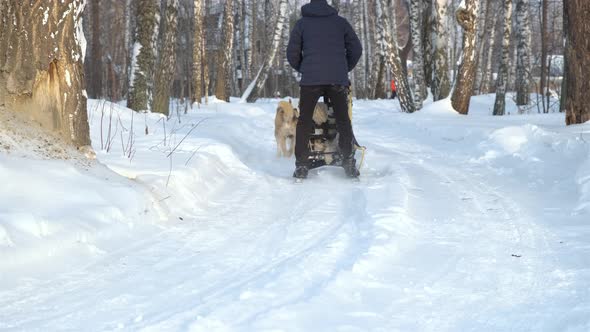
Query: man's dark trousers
<point x="338" y="96"/>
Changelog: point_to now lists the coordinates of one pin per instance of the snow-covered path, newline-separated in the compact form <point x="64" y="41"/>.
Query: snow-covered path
<point x="458" y="224"/>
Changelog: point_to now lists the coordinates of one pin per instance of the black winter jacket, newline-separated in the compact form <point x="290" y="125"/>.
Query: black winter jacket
<point x="323" y="46"/>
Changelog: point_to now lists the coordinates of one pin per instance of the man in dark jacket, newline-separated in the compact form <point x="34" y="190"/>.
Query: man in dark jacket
<point x="323" y="47"/>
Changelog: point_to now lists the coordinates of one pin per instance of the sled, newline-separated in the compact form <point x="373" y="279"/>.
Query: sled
<point x="326" y="135"/>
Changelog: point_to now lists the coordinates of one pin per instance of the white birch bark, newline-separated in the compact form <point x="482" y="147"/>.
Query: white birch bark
<point x="501" y="83"/>
<point x="166" y="66"/>
<point x="523" y="49"/>
<point x="388" y="43"/>
<point x="225" y="53"/>
<point x="441" y="84"/>
<point x="198" y="52"/>
<point x="144" y="55"/>
<point x="258" y="84"/>
<point x="360" y="70"/>
<point x="418" y="60"/>
<point x="246" y="40"/>
<point x="488" y="75"/>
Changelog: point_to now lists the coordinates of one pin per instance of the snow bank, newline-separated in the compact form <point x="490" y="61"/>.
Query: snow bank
<point x="184" y="162"/>
<point x="584" y="183"/>
<point x="526" y="141"/>
<point x="55" y="205"/>
<point x="583" y="176"/>
<point x="56" y="211"/>
<point x="441" y="107"/>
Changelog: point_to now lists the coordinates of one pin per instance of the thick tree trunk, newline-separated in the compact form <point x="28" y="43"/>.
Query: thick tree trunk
<point x="467" y="19"/>
<point x="501" y="83"/>
<point x="225" y="54"/>
<point x="577" y="96"/>
<point x="441" y="85"/>
<point x="259" y="81"/>
<point x="144" y="55"/>
<point x="166" y="67"/>
<point x="41" y="65"/>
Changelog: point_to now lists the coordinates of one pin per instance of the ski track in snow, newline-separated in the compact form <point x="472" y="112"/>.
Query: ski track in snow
<point x="426" y="241"/>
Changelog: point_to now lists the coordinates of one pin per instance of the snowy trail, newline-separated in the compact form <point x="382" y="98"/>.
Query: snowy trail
<point x="428" y="240"/>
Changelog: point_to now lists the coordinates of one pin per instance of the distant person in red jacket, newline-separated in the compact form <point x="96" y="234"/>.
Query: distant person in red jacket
<point x="393" y="90"/>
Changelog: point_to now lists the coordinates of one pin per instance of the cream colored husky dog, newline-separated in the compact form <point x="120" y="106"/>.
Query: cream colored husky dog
<point x="285" y="128"/>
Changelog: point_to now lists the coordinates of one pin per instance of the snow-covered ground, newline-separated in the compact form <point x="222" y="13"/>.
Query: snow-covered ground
<point x="459" y="223"/>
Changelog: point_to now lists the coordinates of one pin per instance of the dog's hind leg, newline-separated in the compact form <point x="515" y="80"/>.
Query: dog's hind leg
<point x="283" y="144"/>
<point x="291" y="146"/>
<point x="278" y="139"/>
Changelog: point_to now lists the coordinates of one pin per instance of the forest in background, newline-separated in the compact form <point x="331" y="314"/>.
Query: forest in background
<point x="149" y="52"/>
<point x="236" y="38"/>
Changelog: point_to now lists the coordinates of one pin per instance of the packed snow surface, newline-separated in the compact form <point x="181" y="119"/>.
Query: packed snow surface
<point x="459" y="223"/>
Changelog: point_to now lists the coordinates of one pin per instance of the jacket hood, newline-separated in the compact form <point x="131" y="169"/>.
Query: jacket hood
<point x="318" y="8"/>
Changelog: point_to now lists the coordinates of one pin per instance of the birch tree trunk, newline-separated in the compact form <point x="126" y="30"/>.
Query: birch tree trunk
<point x="441" y="83"/>
<point x="544" y="41"/>
<point x="360" y="71"/>
<point x="368" y="49"/>
<point x="501" y="83"/>
<point x="467" y="19"/>
<point x="43" y="77"/>
<point x="577" y="96"/>
<point x="487" y="15"/>
<point x="198" y="52"/>
<point x="257" y="85"/>
<point x="427" y="39"/>
<point x="418" y="64"/>
<point x="488" y="75"/>
<point x="166" y="67"/>
<point x="236" y="63"/>
<point x="144" y="55"/>
<point x="378" y="69"/>
<point x="129" y="28"/>
<point x="95" y="60"/>
<point x="206" y="79"/>
<point x="225" y="54"/>
<point x="385" y="24"/>
<point x="251" y="42"/>
<point x="336" y="4"/>
<point x="246" y="40"/>
<point x="523" y="62"/>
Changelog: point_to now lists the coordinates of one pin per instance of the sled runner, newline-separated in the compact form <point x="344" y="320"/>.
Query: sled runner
<point x="323" y="142"/>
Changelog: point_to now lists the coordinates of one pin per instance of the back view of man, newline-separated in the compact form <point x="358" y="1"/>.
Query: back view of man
<point x="323" y="47"/>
